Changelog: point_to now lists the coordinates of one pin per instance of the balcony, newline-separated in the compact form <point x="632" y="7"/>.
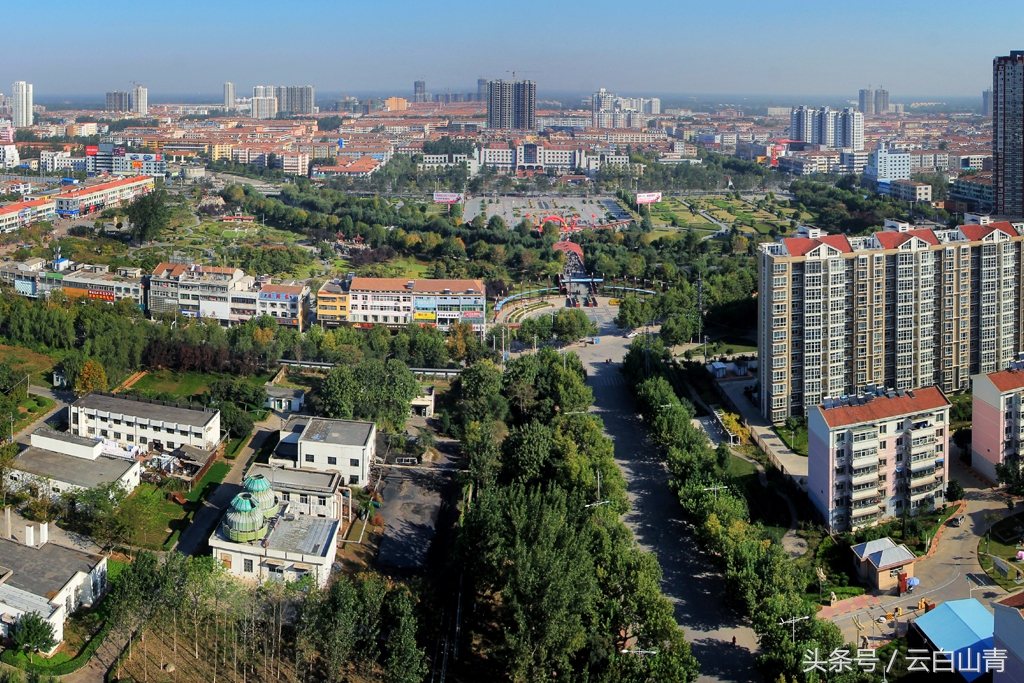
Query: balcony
<point x="922" y="495"/>
<point x="864" y="477"/>
<point x="864" y="494"/>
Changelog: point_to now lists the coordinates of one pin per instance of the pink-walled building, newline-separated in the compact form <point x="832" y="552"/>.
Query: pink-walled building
<point x="998" y="423"/>
<point x="874" y="455"/>
<point x="1009" y="636"/>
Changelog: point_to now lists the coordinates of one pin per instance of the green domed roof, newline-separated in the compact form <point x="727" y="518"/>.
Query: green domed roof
<point x="256" y="483"/>
<point x="243" y="502"/>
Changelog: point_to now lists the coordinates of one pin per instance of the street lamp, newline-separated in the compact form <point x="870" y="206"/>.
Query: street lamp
<point x="639" y="652"/>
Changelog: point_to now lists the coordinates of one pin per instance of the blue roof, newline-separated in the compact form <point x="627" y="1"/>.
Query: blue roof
<point x="957" y="625"/>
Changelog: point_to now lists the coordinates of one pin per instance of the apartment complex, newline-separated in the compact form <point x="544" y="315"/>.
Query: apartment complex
<point x="229" y="96"/>
<point x="332" y="303"/>
<point x="140" y="101"/>
<point x="998" y="405"/>
<point x="98" y="197"/>
<point x="900" y="308"/>
<point x="877" y="454"/>
<point x="398" y="302"/>
<point x="227" y="294"/>
<point x="132" y="422"/>
<point x="117" y="101"/>
<point x="23" y="214"/>
<point x="1008" y="133"/>
<point x="910" y="191"/>
<point x="511" y="105"/>
<point x="842" y="129"/>
<point x="22" y="105"/>
<point x="287" y="304"/>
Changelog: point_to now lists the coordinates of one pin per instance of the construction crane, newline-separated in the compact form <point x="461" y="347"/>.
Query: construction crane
<point x="513" y="72"/>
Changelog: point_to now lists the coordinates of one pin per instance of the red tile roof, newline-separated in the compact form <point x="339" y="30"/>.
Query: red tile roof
<point x="1007" y="380"/>
<point x="838" y="242"/>
<point x="883" y="408"/>
<point x="977" y="232"/>
<point x="177" y="269"/>
<point x="799" y="246"/>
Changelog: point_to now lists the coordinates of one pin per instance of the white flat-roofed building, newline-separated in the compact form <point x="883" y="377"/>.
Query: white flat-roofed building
<point x="308" y="492"/>
<point x="318" y="443"/>
<point x="136" y="422"/>
<point x="61" y="462"/>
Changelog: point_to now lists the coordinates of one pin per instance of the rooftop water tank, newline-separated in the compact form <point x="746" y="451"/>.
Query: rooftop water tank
<point x="244" y="521"/>
<point x="259" y="488"/>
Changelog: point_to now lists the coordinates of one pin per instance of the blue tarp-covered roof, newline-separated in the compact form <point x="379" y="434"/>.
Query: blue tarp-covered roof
<point x="958" y="625"/>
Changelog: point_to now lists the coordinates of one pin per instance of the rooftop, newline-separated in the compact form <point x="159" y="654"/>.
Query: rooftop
<point x="70" y="469"/>
<point x="884" y="407"/>
<point x="43" y="571"/>
<point x="177" y="413"/>
<point x="958" y="624"/>
<point x="397" y="284"/>
<point x="1007" y="380"/>
<point x="306" y="535"/>
<point x="285" y="392"/>
<point x="339" y="432"/>
<point x="288" y="479"/>
<point x="66" y="437"/>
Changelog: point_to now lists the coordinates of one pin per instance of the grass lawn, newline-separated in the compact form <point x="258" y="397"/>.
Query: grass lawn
<point x="1003" y="544"/>
<point x="31" y="409"/>
<point x="163" y="521"/>
<point x="36" y="365"/>
<point x="186" y="384"/>
<point x="798" y="445"/>
<point x="765" y="506"/>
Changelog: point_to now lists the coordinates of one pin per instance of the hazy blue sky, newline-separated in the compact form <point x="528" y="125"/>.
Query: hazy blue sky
<point x="782" y="47"/>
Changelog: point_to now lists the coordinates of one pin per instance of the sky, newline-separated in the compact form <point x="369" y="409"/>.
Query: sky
<point x="783" y="48"/>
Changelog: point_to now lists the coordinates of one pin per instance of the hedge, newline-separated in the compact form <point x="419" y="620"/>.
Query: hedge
<point x="18" y="659"/>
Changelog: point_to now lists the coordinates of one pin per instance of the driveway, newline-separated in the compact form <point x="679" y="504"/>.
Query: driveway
<point x="690" y="579"/>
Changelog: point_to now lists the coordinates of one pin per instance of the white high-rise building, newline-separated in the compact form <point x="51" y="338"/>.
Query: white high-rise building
<point x="22" y="104"/>
<point x="823" y="126"/>
<point x="849" y="130"/>
<point x="140" y="101"/>
<point x="264" y="107"/>
<point x="229" y="95"/>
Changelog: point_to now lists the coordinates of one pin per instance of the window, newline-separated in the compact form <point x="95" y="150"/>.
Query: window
<point x="309" y="457"/>
<point x="143" y="440"/>
<point x="303" y="499"/>
<point x="247" y="566"/>
<point x="130" y="437"/>
<point x="225" y="561"/>
<point x="117" y="436"/>
<point x="331" y="460"/>
<point x="74" y="418"/>
<point x="170" y="444"/>
<point x="103" y="432"/>
<point x="322" y="501"/>
<point x="353" y="479"/>
<point x="92" y="431"/>
<point x="354" y="462"/>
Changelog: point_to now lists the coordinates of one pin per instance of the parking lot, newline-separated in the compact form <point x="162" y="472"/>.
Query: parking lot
<point x="412" y="504"/>
<point x="515" y="209"/>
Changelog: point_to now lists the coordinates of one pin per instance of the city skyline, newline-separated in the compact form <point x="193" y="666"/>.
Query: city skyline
<point x="743" y="59"/>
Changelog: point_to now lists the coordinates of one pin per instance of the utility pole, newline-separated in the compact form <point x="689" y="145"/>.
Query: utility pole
<point x="716" y="489"/>
<point x="792" y="622"/>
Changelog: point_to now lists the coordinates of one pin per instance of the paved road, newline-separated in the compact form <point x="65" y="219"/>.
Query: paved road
<point x="943" y="575"/>
<point x="656" y="519"/>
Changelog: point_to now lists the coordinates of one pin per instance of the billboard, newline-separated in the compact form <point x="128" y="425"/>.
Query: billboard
<point x="215" y="309"/>
<point x="419" y="315"/>
<point x="447" y="198"/>
<point x="91" y="150"/>
<point x="648" y="197"/>
<point x="145" y="157"/>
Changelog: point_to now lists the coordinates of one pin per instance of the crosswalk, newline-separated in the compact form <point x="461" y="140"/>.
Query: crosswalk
<point x="611" y="379"/>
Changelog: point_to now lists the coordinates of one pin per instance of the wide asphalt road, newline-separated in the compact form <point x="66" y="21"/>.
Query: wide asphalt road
<point x="690" y="579"/>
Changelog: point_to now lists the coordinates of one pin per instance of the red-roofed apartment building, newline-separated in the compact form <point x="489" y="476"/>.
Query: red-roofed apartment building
<point x="874" y="456"/>
<point x="901" y="308"/>
<point x="998" y="420"/>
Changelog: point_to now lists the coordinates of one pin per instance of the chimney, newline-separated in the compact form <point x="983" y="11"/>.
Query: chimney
<point x="7" y="523"/>
<point x="44" y="533"/>
<point x="30" y="535"/>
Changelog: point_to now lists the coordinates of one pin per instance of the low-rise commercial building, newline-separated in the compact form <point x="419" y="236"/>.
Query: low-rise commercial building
<point x="998" y="420"/>
<point x="137" y="422"/>
<point x="874" y="456"/>
<point x="397" y="302"/>
<point x="287" y="304"/>
<point x="88" y="200"/>
<point x="96" y="282"/>
<point x="332" y="303"/>
<point x="226" y="294"/>
<point x="22" y="214"/>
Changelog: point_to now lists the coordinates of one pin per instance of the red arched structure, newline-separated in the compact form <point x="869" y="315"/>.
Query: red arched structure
<point x="569" y="247"/>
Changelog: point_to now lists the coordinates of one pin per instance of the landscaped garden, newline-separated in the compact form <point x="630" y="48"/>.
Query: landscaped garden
<point x="1005" y="541"/>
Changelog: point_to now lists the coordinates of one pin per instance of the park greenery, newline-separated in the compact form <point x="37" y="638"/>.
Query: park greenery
<point x="558" y="585"/>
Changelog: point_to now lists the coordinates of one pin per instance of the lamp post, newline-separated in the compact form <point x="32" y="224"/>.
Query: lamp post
<point x="792" y="622"/>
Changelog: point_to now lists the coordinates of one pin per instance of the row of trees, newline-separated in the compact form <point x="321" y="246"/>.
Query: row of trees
<point x="557" y="583"/>
<point x="359" y="626"/>
<point x="761" y="581"/>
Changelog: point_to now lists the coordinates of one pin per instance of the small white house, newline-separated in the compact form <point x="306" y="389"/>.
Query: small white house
<point x="317" y="443"/>
<point x="285" y="399"/>
<point x="58" y="462"/>
<point x="51" y="580"/>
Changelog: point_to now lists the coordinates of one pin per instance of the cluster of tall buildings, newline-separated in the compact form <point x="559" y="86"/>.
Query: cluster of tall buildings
<point x="871" y="102"/>
<point x="610" y="111"/>
<point x="511" y="105"/>
<point x="420" y="94"/>
<point x="136" y="101"/>
<point x="270" y="100"/>
<point x="841" y="129"/>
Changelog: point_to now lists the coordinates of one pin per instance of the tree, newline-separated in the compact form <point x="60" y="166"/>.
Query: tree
<point x="572" y="325"/>
<point x="8" y="452"/>
<point x="678" y="329"/>
<point x="723" y="455"/>
<point x="632" y="313"/>
<point x="149" y="215"/>
<point x="91" y="378"/>
<point x="404" y="662"/>
<point x="32" y="633"/>
<point x="954" y="491"/>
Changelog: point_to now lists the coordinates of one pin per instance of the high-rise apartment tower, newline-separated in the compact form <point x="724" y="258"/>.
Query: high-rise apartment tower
<point x="511" y="105"/>
<point x="21" y="104"/>
<point x="881" y="101"/>
<point x="140" y="101"/>
<point x="118" y="100"/>
<point x="1008" y="134"/>
<point x="229" y="95"/>
<point x="866" y="102"/>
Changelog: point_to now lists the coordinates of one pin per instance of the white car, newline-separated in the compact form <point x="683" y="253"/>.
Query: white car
<point x="632" y="334"/>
